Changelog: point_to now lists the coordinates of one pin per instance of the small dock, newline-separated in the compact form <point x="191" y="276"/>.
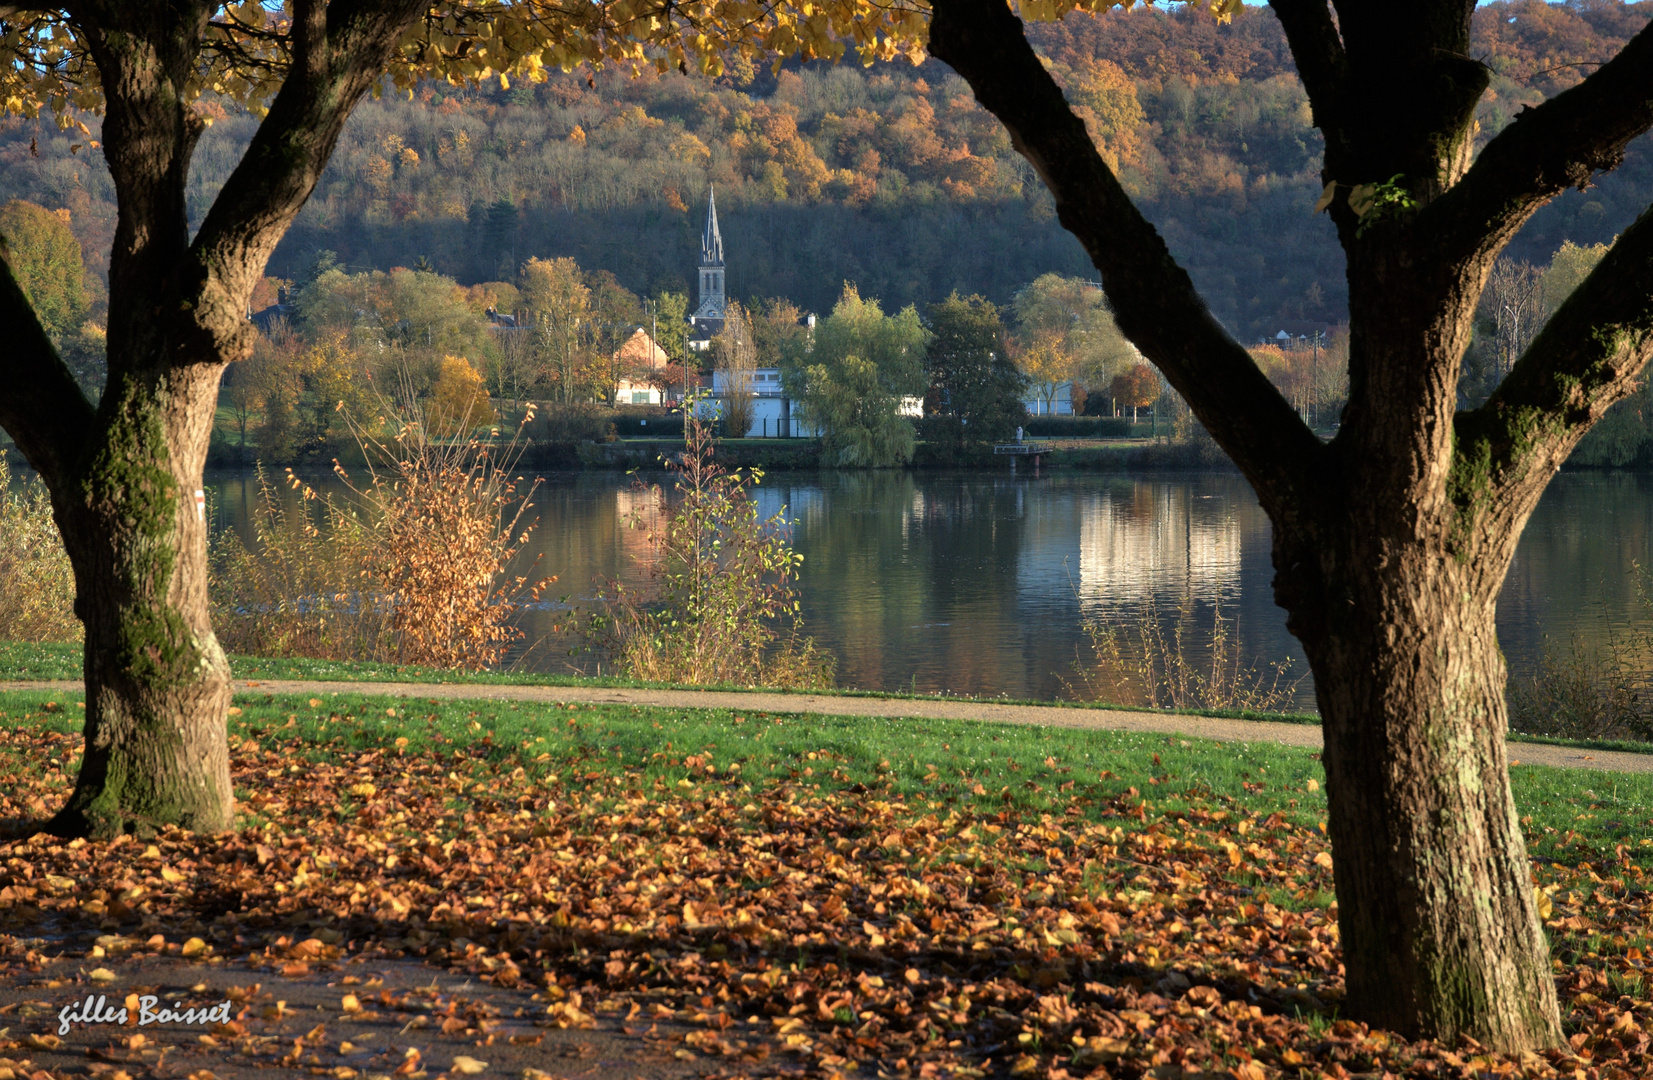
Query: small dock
<point x="1020" y="448"/>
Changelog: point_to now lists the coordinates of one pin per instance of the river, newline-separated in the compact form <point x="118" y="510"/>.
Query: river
<point x="973" y="583"/>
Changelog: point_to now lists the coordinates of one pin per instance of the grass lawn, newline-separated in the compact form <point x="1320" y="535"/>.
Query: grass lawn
<point x="29" y="661"/>
<point x="899" y="897"/>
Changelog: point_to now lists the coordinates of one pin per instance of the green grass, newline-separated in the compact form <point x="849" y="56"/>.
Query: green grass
<point x="25" y="661"/>
<point x="226" y="429"/>
<point x="1570" y="815"/>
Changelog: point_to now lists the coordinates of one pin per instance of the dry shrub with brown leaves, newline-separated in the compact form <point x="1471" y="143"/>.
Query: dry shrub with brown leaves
<point x="447" y="521"/>
<point x="724" y="609"/>
<point x="37" y="585"/>
<point x="1156" y="667"/>
<point x="410" y="567"/>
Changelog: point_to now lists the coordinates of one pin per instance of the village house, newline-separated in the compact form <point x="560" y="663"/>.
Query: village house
<point x="641" y="359"/>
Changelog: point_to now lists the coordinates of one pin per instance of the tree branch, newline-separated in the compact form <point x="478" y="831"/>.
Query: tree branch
<point x="339" y="50"/>
<point x="1588" y="356"/>
<point x="1154" y="300"/>
<point x="1548" y="148"/>
<point x="1322" y="66"/>
<point x="43" y="408"/>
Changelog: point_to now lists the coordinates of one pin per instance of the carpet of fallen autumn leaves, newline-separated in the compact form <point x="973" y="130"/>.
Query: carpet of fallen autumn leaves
<point x="779" y="928"/>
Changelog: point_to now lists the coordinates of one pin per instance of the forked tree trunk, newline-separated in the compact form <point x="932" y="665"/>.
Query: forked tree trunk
<point x="124" y="477"/>
<point x="1440" y="929"/>
<point x="157" y="682"/>
<point x="1391" y="542"/>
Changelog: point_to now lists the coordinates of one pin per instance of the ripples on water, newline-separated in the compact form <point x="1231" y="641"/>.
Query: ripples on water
<point x="972" y="583"/>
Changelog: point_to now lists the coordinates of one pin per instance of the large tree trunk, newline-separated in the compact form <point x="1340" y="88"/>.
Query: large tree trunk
<point x="1440" y="930"/>
<point x="157" y="683"/>
<point x="124" y="477"/>
<point x="1391" y="541"/>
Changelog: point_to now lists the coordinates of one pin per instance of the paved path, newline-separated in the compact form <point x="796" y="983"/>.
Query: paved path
<point x="1203" y="727"/>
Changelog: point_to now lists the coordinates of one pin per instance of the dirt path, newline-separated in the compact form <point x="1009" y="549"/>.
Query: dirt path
<point x="1203" y="727"/>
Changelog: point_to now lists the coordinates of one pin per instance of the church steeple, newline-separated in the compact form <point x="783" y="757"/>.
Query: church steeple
<point x="712" y="302"/>
<point x="711" y="241"/>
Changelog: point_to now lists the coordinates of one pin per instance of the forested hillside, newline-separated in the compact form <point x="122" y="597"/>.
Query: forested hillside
<point x="889" y="176"/>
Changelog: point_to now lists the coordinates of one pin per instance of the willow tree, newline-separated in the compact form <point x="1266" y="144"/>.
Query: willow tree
<point x="125" y="475"/>
<point x="1391" y="540"/>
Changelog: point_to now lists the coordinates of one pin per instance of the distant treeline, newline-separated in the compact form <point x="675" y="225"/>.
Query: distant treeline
<point x="890" y="177"/>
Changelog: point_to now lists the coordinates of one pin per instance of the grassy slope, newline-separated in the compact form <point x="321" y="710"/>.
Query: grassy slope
<point x="1570" y="814"/>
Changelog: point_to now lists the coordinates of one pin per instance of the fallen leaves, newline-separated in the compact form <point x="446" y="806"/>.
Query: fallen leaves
<point x="793" y="929"/>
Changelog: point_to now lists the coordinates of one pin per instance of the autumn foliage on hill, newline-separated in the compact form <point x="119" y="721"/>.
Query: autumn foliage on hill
<point x="890" y="176"/>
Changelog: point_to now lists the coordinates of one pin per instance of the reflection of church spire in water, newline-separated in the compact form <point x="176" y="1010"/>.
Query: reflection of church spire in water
<point x="712" y="303"/>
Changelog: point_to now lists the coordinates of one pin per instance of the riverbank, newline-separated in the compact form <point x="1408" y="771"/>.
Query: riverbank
<point x="782" y="455"/>
<point x="1079" y="453"/>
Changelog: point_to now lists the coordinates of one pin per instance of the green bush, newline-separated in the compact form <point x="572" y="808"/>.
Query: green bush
<point x="1080" y="427"/>
<point x="723" y="606"/>
<point x="553" y="423"/>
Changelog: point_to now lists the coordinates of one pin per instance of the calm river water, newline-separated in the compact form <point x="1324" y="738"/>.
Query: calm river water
<point x="980" y="584"/>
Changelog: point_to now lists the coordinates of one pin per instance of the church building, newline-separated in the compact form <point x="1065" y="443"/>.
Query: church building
<point x="706" y="321"/>
<point x="771" y="406"/>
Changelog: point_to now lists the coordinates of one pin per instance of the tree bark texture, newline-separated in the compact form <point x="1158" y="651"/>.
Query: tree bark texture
<point x="1436" y="908"/>
<point x="157" y="683"/>
<point x="123" y="477"/>
<point x="1392" y="540"/>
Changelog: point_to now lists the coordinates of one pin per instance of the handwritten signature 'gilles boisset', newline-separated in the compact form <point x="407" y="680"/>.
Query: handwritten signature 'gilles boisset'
<point x="95" y="1010"/>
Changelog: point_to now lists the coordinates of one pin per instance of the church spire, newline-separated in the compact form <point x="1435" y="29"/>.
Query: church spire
<point x="711" y="241"/>
<point x="712" y="301"/>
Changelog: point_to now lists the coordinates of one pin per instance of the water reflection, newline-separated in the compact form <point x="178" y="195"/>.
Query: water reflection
<point x="1156" y="540"/>
<point x="973" y="583"/>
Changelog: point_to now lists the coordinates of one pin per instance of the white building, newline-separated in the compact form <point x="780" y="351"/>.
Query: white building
<point x="1049" y="399"/>
<point x="772" y="407"/>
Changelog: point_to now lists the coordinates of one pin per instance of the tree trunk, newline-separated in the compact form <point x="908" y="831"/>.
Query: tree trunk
<point x="157" y="682"/>
<point x="1391" y="541"/>
<point x="1440" y="929"/>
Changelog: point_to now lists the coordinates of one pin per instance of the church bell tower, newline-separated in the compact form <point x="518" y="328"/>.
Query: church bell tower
<point x="712" y="298"/>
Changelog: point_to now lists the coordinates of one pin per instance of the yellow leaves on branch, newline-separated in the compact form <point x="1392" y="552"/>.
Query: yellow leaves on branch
<point x="245" y="52"/>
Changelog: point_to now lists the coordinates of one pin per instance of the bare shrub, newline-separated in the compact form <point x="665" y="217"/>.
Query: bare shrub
<point x="1587" y="691"/>
<point x="737" y="362"/>
<point x="1148" y="665"/>
<point x="723" y="606"/>
<point x="410" y="567"/>
<point x="448" y="522"/>
<point x="299" y="590"/>
<point x="37" y="584"/>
